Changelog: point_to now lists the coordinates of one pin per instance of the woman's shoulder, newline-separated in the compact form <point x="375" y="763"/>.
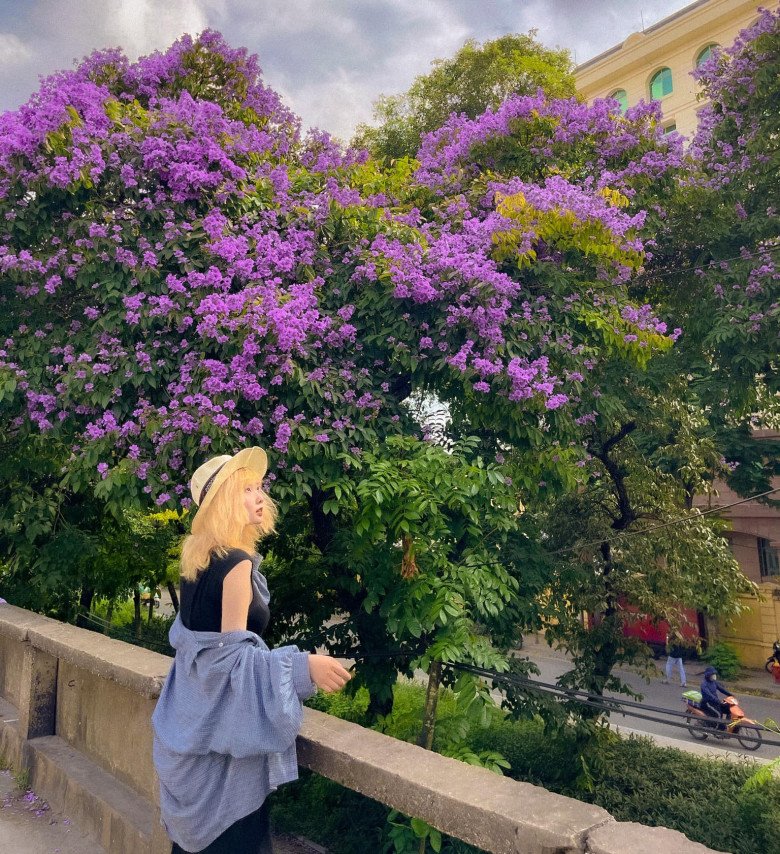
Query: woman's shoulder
<point x="229" y="559"/>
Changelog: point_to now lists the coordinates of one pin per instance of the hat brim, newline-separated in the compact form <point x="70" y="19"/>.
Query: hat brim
<point x="248" y="458"/>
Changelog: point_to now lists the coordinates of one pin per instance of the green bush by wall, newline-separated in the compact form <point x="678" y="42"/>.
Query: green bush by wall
<point x="634" y="779"/>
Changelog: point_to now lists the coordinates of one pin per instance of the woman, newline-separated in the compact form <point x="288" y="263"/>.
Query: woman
<point x="230" y="709"/>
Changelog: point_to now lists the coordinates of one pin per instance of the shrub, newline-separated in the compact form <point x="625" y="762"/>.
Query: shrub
<point x="725" y="658"/>
<point x="634" y="779"/>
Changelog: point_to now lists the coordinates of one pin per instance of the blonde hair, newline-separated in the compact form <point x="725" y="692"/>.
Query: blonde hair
<point x="224" y="525"/>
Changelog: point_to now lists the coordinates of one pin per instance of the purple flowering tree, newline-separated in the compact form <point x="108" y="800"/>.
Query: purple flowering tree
<point x="666" y="433"/>
<point x="719" y="272"/>
<point x="185" y="274"/>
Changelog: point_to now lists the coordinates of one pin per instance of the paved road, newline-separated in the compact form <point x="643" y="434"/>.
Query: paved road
<point x="655" y="693"/>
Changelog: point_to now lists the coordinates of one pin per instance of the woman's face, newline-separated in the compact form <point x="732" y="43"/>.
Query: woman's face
<point x="253" y="501"/>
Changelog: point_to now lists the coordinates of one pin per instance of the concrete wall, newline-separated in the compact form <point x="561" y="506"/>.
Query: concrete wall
<point x="75" y="710"/>
<point x="753" y="632"/>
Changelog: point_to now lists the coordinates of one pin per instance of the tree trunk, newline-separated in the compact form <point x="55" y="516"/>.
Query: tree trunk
<point x="137" y="609"/>
<point x="425" y="738"/>
<point x="109" y="616"/>
<point x="604" y="658"/>
<point x="610" y="627"/>
<point x="174" y="596"/>
<point x="85" y="605"/>
<point x="151" y="605"/>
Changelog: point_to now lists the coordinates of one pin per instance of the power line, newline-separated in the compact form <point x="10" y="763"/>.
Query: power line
<point x="121" y="634"/>
<point x="671" y="523"/>
<point x="606" y="704"/>
<point x="627" y="708"/>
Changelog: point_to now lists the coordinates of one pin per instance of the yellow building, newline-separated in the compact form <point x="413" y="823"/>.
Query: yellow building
<point x="657" y="63"/>
<point x="754" y="537"/>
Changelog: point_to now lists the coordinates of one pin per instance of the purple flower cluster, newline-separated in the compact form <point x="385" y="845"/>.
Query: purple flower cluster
<point x="216" y="278"/>
<point x="727" y="133"/>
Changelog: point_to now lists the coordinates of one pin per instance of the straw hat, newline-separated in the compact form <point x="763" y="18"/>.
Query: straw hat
<point x="213" y="473"/>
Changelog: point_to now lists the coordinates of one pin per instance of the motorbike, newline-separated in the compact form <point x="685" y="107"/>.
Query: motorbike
<point x="774" y="659"/>
<point x="737" y="725"/>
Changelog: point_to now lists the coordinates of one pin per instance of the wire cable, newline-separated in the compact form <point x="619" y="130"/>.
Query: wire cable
<point x="682" y="520"/>
<point x="610" y="705"/>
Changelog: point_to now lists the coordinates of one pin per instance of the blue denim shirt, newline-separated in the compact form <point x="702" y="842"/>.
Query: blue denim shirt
<point x="224" y="729"/>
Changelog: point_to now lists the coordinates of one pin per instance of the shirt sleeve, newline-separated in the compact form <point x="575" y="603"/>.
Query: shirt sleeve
<point x="267" y="688"/>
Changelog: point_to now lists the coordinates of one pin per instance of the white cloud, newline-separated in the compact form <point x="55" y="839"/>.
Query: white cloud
<point x="13" y="50"/>
<point x="138" y="26"/>
<point x="329" y="59"/>
<point x="145" y="25"/>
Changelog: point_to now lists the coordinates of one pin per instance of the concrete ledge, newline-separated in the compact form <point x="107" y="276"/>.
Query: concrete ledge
<point x="111" y="812"/>
<point x="493" y="812"/>
<point x="138" y="669"/>
<point x="14" y="622"/>
<point x="632" y="838"/>
<point x="98" y="726"/>
<point x="106" y="808"/>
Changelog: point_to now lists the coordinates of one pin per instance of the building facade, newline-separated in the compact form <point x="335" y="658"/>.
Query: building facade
<point x="656" y="64"/>
<point x="754" y="537"/>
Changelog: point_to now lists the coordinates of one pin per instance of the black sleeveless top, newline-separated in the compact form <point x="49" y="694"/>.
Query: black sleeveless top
<point x="200" y="601"/>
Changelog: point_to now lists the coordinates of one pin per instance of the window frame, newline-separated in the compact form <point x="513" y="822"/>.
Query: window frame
<point x="768" y="558"/>
<point x="698" y="61"/>
<point x="623" y="102"/>
<point x="657" y="73"/>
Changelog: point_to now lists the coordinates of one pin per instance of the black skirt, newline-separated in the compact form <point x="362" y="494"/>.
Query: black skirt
<point x="249" y="835"/>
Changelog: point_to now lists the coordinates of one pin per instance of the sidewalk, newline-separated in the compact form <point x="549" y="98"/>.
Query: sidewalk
<point x="29" y="826"/>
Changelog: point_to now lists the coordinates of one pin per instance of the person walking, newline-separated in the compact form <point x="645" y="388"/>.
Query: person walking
<point x="675" y="649"/>
<point x="230" y="710"/>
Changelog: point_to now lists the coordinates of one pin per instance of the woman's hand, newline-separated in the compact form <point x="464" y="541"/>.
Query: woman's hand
<point x="327" y="674"/>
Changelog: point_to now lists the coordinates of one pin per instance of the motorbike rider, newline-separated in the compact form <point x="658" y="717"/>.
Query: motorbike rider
<point x="710" y="687"/>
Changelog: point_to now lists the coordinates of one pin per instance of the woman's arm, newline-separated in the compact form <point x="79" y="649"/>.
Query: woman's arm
<point x="236" y="597"/>
<point x="326" y="673"/>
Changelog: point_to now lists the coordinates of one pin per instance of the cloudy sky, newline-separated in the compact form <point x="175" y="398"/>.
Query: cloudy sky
<point x="330" y="59"/>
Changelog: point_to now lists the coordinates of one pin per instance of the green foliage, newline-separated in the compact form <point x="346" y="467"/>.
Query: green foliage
<point x="764" y="775"/>
<point x="725" y="659"/>
<point x="651" y="451"/>
<point x="427" y="559"/>
<point x="476" y="77"/>
<point x="706" y="799"/>
<point x="346" y="822"/>
<point x="722" y="805"/>
<point x="715" y="264"/>
<point x="22" y="780"/>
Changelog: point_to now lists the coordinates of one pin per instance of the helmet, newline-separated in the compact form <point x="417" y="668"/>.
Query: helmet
<point x="709" y="672"/>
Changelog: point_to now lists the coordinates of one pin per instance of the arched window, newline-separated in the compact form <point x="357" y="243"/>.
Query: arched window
<point x="705" y="53"/>
<point x="621" y="96"/>
<point x="661" y="84"/>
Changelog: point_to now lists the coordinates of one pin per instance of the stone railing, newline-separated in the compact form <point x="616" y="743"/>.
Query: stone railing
<point x="75" y="711"/>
